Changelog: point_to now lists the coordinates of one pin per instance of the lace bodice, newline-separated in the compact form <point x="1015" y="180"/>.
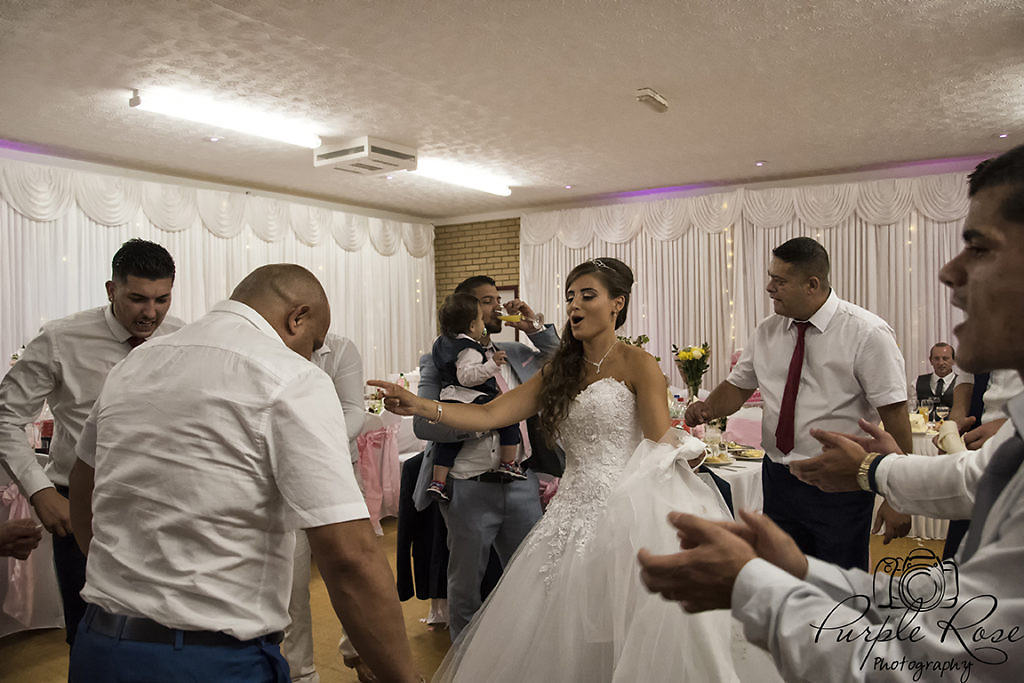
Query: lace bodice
<point x="599" y="435"/>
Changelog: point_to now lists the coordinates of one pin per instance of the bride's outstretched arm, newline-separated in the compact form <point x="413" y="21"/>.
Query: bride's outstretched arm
<point x="507" y="409"/>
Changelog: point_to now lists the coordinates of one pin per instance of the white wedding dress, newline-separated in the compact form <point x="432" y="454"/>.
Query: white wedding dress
<point x="570" y="605"/>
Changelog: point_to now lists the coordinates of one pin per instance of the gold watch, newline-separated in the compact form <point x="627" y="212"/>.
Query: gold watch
<point x="862" y="471"/>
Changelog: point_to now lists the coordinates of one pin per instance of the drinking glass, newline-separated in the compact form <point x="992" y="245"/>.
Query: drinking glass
<point x="941" y="412"/>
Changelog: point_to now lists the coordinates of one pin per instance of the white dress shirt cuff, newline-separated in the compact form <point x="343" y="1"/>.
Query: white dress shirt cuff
<point x="756" y="580"/>
<point x="34" y="481"/>
<point x="825" y="575"/>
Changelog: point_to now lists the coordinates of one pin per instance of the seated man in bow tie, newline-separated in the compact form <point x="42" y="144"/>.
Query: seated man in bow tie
<point x="938" y="385"/>
<point x="66" y="365"/>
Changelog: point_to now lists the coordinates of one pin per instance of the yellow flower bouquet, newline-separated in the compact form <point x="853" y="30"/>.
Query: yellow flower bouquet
<point x="693" y="362"/>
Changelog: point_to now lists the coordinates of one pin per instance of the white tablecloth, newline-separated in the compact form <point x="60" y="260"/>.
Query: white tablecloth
<point x="925" y="527"/>
<point x="744" y="476"/>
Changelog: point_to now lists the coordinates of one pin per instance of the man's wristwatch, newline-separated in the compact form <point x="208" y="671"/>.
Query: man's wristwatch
<point x="866" y="472"/>
<point x="537" y="325"/>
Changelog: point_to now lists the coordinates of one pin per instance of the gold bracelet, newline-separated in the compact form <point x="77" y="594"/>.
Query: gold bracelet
<point x="862" y="471"/>
<point x="439" y="412"/>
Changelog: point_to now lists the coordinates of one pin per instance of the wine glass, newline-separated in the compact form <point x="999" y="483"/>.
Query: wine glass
<point x="924" y="407"/>
<point x="912" y="404"/>
<point x="941" y="412"/>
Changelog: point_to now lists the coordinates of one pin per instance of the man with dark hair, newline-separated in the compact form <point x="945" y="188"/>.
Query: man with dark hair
<point x="486" y="509"/>
<point x="65" y="365"/>
<point x="819" y="360"/>
<point x="938" y="385"/>
<point x="962" y="617"/>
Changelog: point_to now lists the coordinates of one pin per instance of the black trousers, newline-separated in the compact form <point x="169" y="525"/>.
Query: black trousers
<point x="834" y="527"/>
<point x="70" y="565"/>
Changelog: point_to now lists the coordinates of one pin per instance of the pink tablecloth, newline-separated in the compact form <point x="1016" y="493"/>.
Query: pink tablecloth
<point x="381" y="473"/>
<point x="28" y="588"/>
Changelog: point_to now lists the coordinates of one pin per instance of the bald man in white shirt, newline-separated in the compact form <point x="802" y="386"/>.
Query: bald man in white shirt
<point x="66" y="365"/>
<point x="203" y="454"/>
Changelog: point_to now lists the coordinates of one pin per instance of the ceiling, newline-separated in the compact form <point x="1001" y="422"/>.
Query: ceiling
<point x="539" y="92"/>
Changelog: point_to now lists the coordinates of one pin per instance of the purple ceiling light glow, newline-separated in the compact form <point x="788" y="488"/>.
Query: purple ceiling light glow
<point x="23" y="147"/>
<point x="654" y="191"/>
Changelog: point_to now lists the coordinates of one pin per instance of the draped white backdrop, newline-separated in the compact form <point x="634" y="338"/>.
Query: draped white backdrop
<point x="700" y="262"/>
<point x="59" y="229"/>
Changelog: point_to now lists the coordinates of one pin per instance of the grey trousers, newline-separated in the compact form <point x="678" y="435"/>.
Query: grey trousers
<point x="481" y="515"/>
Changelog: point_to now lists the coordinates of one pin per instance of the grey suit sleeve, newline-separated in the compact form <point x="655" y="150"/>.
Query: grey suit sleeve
<point x="430" y="387"/>
<point x="546" y="341"/>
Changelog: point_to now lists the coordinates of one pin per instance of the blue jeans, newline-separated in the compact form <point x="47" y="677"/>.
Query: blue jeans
<point x="97" y="658"/>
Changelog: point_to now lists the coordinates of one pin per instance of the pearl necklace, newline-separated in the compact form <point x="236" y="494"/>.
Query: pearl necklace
<point x="598" y="363"/>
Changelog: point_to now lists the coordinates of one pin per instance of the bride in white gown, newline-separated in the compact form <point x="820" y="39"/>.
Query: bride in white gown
<point x="570" y="605"/>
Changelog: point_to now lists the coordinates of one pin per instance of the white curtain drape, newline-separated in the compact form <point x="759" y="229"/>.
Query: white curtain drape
<point x="700" y="262"/>
<point x="60" y="228"/>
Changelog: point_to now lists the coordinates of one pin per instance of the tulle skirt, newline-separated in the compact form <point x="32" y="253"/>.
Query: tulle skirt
<point x="588" y="617"/>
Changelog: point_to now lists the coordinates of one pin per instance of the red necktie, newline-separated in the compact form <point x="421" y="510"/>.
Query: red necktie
<point x="503" y="386"/>
<point x="784" y="437"/>
<point x="135" y="341"/>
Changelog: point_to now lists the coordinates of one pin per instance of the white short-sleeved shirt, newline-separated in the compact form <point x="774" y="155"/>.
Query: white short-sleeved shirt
<point x="852" y="366"/>
<point x="210" y="447"/>
<point x="1002" y="386"/>
<point x="66" y="365"/>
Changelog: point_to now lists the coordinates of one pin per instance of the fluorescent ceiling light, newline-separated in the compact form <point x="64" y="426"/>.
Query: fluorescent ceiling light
<point x="236" y="117"/>
<point x="459" y="174"/>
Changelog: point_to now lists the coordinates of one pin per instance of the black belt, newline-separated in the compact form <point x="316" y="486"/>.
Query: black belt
<point x="148" y="631"/>
<point x="492" y="478"/>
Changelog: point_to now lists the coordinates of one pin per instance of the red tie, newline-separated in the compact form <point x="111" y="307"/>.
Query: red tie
<point x="135" y="341"/>
<point x="784" y="437"/>
<point x="503" y="385"/>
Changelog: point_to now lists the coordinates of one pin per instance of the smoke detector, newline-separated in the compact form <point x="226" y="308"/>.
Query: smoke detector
<point x="366" y="156"/>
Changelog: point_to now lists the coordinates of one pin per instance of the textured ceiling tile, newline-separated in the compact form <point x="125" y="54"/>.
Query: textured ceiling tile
<point x="539" y="92"/>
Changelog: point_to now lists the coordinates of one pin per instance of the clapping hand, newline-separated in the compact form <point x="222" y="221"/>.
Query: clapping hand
<point x="836" y="468"/>
<point x="702" y="576"/>
<point x="19" y="537"/>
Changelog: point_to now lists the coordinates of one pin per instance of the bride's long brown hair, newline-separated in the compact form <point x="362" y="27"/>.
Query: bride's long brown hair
<point x="565" y="372"/>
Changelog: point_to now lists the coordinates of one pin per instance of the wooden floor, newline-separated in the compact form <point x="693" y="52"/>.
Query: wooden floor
<point x="42" y="657"/>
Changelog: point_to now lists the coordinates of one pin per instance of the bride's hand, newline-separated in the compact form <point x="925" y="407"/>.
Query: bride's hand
<point x="398" y="400"/>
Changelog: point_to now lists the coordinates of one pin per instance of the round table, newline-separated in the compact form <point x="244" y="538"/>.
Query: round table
<point x="744" y="477"/>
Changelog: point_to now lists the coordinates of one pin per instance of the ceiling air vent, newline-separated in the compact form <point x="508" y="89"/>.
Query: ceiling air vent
<point x="366" y="156"/>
